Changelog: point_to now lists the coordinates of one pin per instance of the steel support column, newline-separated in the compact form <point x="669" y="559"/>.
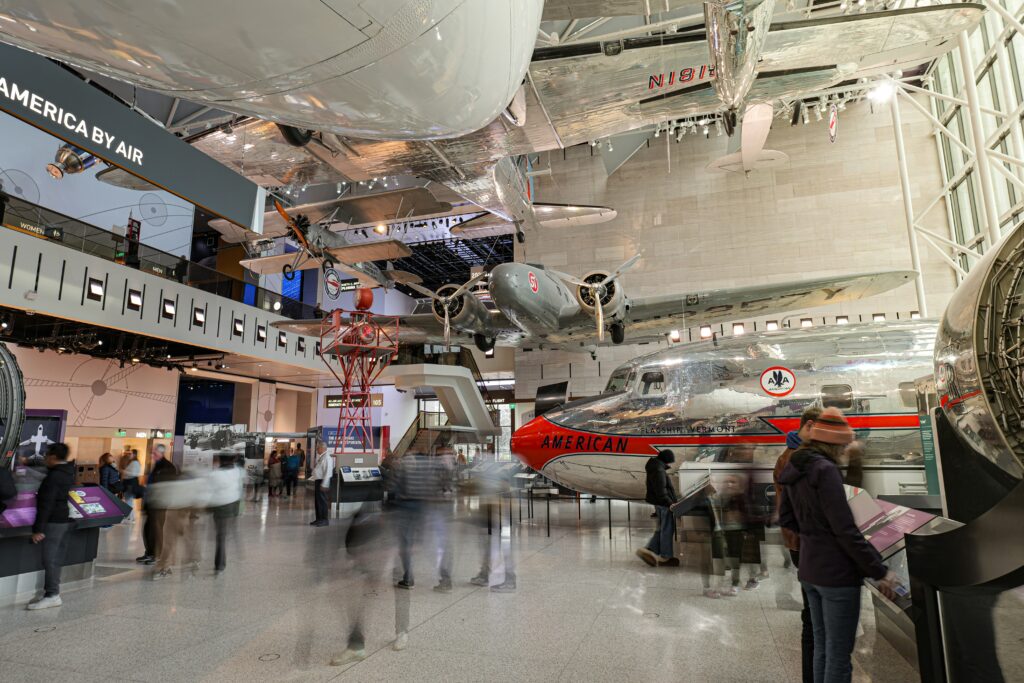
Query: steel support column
<point x="988" y="195"/>
<point x="908" y="204"/>
<point x="1006" y="91"/>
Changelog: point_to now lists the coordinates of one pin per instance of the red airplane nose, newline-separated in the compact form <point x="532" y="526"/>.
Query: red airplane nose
<point x="526" y="442"/>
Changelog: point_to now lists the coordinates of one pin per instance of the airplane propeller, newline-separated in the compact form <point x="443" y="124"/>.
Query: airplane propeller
<point x="599" y="289"/>
<point x="445" y="300"/>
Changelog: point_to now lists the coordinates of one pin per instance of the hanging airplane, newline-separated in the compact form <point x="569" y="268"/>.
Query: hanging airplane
<point x="385" y="123"/>
<point x="727" y="404"/>
<point x="537" y="307"/>
<point x="319" y="247"/>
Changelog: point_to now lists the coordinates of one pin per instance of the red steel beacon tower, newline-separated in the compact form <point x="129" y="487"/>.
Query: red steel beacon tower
<point x="356" y="346"/>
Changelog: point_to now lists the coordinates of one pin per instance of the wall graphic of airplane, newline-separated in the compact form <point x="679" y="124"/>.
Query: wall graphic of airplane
<point x="38" y="440"/>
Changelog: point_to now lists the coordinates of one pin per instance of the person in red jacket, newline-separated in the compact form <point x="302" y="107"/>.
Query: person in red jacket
<point x="834" y="556"/>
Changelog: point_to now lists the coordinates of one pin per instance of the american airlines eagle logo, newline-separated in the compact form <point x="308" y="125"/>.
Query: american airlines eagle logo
<point x="778" y="381"/>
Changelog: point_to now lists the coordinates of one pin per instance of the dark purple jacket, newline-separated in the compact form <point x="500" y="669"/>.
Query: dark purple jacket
<point x="833" y="552"/>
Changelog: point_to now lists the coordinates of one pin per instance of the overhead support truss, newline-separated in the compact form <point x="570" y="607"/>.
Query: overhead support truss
<point x="983" y="141"/>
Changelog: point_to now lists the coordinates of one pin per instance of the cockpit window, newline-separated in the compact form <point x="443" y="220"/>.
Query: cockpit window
<point x="652" y="384"/>
<point x="618" y="381"/>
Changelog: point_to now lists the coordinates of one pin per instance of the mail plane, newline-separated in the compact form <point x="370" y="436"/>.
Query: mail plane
<point x="727" y="404"/>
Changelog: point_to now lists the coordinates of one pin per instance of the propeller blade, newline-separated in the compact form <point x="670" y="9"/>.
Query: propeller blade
<point x="424" y="291"/>
<point x="464" y="288"/>
<point x="447" y="328"/>
<point x="600" y="317"/>
<point x="621" y="269"/>
<point x="568" y="278"/>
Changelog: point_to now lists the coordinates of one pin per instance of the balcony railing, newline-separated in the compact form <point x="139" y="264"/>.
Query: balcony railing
<point x="17" y="214"/>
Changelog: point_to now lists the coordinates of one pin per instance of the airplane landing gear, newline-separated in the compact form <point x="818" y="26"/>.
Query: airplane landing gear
<point x="483" y="343"/>
<point x="618" y="331"/>
<point x="296" y="137"/>
<point x="729" y="121"/>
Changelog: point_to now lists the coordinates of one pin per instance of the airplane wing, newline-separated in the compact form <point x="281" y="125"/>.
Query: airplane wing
<point x="351" y="210"/>
<point x="384" y="250"/>
<point x="555" y="10"/>
<point x="273" y="265"/>
<point x="651" y="318"/>
<point x="418" y="328"/>
<point x="546" y="215"/>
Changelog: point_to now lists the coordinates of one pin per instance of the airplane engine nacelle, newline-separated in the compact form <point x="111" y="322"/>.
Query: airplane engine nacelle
<point x="613" y="301"/>
<point x="465" y="313"/>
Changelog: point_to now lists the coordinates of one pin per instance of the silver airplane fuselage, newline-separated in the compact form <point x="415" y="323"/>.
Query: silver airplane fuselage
<point x="728" y="404"/>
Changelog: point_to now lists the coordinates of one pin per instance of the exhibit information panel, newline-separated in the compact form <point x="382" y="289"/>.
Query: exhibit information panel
<point x="87" y="506"/>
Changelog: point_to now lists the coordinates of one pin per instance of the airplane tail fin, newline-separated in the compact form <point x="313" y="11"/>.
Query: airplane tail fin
<point x="735" y="163"/>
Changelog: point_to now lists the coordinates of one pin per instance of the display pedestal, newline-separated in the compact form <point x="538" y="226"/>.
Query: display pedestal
<point x="21" y="564"/>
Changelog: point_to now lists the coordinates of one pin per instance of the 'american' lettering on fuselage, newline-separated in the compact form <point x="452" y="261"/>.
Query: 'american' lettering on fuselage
<point x="591" y="443"/>
<point x="687" y="75"/>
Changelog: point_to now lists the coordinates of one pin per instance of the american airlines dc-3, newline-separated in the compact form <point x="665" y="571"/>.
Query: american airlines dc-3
<point x="728" y="404"/>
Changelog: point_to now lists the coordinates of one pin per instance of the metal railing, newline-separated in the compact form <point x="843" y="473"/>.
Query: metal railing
<point x="17" y="214"/>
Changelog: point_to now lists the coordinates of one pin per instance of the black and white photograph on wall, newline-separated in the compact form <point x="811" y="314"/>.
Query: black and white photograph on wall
<point x="203" y="441"/>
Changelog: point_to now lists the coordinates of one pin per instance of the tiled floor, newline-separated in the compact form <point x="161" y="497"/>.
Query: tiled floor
<point x="586" y="609"/>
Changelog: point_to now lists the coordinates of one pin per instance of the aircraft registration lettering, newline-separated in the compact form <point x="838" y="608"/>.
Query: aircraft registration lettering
<point x="687" y="75"/>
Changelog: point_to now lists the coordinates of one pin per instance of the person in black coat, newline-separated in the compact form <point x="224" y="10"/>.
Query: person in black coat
<point x="834" y="555"/>
<point x="52" y="525"/>
<point x="110" y="478"/>
<point x="163" y="470"/>
<point x="662" y="495"/>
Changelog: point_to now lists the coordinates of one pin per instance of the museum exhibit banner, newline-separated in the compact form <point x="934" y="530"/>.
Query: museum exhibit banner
<point x="53" y="99"/>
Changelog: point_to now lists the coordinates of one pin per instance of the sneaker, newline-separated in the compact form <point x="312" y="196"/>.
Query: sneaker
<point x="314" y="522"/>
<point x="443" y="587"/>
<point x="401" y="641"/>
<point x="506" y="586"/>
<point x="162" y="574"/>
<point x="481" y="579"/>
<point x="407" y="585"/>
<point x="668" y="561"/>
<point x="149" y="561"/>
<point x="647" y="556"/>
<point x="45" y="602"/>
<point x="144" y="559"/>
<point x="752" y="584"/>
<point x="730" y="592"/>
<point x="712" y="593"/>
<point x="349" y="656"/>
<point x="763" y="576"/>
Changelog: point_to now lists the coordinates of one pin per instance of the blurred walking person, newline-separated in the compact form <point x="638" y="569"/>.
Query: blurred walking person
<point x="152" y="530"/>
<point x="178" y="496"/>
<point x="290" y="465"/>
<point x="421" y="485"/>
<point x="52" y="526"/>
<point x="131" y="470"/>
<point x="224" y="491"/>
<point x="274" y="475"/>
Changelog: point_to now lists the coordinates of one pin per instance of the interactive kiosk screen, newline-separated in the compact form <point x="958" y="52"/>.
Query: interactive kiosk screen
<point x="88" y="505"/>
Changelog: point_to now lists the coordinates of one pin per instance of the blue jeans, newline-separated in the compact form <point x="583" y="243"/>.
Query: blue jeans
<point x="661" y="542"/>
<point x="834" y="616"/>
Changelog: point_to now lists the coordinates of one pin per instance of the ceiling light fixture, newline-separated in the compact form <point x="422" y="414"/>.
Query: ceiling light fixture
<point x="882" y="93"/>
<point x="878" y="317"/>
<point x="198" y="317"/>
<point x="842" y="320"/>
<point x="239" y="327"/>
<point x="738" y="329"/>
<point x="134" y="300"/>
<point x="380" y="229"/>
<point x="806" y="322"/>
<point x="915" y="315"/>
<point x="169" y="309"/>
<point x="674" y="336"/>
<point x="772" y="325"/>
<point x="705" y="331"/>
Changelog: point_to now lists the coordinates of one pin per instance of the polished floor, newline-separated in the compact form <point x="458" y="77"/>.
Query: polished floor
<point x="586" y="609"/>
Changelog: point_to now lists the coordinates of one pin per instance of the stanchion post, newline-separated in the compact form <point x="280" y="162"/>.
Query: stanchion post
<point x="489" y="511"/>
<point x="609" y="517"/>
<point x="547" y="502"/>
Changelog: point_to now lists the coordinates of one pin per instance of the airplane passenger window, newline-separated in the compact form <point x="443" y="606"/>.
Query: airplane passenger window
<point x="652" y="384"/>
<point x="908" y="394"/>
<point x="837" y="396"/>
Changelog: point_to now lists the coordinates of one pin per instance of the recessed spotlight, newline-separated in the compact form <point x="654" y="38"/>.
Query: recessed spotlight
<point x="239" y="327"/>
<point x="381" y="229"/>
<point x="842" y="320"/>
<point x="806" y="322"/>
<point x="198" y="317"/>
<point x="134" y="300"/>
<point x="674" y="336"/>
<point x="261" y="333"/>
<point x="300" y="345"/>
<point x="282" y="339"/>
<point x="738" y="329"/>
<point x="169" y="309"/>
<point x="705" y="331"/>
<point x="878" y="317"/>
<point x="95" y="290"/>
<point x="772" y="325"/>
<point x="134" y="361"/>
<point x="915" y="315"/>
<point x="277" y="305"/>
<point x="489" y="353"/>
